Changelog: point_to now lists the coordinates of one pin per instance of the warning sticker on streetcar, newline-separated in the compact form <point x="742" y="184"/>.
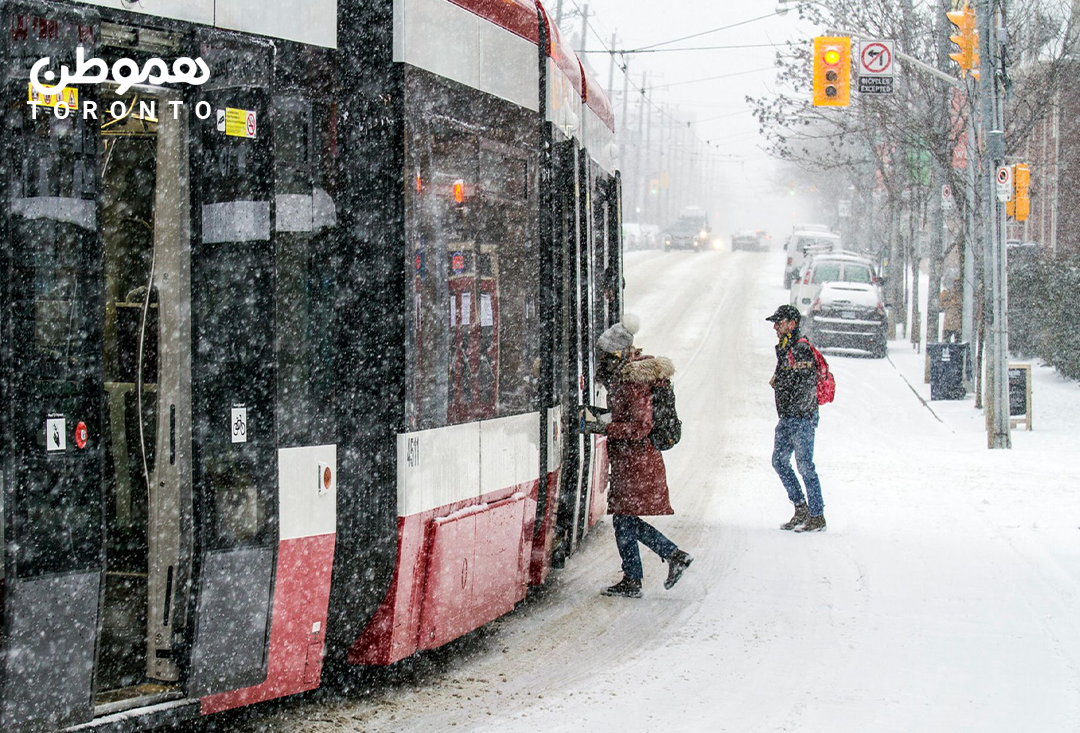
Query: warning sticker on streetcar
<point x="69" y="97"/>
<point x="240" y="122"/>
<point x="55" y="434"/>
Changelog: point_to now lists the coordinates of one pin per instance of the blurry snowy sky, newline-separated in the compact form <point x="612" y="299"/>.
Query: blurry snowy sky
<point x="640" y="23"/>
<point x="717" y="106"/>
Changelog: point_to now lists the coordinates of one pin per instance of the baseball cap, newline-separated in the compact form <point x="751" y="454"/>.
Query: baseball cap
<point x="786" y="313"/>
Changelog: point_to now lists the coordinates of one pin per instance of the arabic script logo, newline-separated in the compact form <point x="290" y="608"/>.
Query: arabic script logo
<point x="125" y="73"/>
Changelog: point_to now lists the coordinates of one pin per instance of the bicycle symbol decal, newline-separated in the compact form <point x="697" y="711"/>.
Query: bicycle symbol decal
<point x="239" y="425"/>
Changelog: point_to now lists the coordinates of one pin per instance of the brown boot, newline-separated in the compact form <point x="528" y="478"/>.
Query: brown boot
<point x="801" y="515"/>
<point x="813" y="524"/>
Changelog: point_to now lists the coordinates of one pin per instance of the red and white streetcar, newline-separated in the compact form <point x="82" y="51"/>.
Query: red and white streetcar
<point x="291" y="358"/>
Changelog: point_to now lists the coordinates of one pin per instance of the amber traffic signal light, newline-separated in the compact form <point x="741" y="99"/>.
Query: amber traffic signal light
<point x="832" y="71"/>
<point x="1020" y="206"/>
<point x="966" y="39"/>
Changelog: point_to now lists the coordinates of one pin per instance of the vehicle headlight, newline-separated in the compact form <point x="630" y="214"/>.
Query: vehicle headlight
<point x="703" y="234"/>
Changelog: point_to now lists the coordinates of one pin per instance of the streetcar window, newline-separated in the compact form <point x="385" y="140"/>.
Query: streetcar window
<point x="234" y="339"/>
<point x="474" y="322"/>
<point x="54" y="285"/>
<point x="502" y="175"/>
<point x="306" y="278"/>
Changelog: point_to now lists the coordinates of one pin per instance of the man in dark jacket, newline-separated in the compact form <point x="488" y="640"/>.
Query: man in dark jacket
<point x="794" y="382"/>
<point x="638" y="480"/>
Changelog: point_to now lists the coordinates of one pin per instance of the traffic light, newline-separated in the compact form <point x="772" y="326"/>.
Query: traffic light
<point x="966" y="40"/>
<point x="832" y="71"/>
<point x="1020" y="206"/>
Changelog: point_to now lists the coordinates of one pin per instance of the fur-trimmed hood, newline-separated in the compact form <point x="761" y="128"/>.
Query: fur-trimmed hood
<point x="647" y="369"/>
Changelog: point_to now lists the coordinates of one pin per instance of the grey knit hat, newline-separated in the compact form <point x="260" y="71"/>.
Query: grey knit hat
<point x="619" y="337"/>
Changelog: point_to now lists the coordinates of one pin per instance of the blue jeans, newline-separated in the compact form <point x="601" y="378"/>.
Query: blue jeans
<point x="796" y="435"/>
<point x="629" y="530"/>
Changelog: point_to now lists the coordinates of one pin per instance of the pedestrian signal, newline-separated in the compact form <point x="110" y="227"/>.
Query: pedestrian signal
<point x="832" y="71"/>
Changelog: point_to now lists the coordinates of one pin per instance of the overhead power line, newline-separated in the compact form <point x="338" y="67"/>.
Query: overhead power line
<point x="661" y="111"/>
<point x="625" y="51"/>
<point x="714" y="78"/>
<point x="702" y="33"/>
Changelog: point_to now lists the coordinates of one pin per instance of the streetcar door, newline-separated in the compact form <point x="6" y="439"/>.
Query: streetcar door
<point x="146" y="391"/>
<point x="585" y="336"/>
<point x="462" y="323"/>
<point x="474" y="332"/>
<point x="51" y="446"/>
<point x="233" y="373"/>
<point x="614" y="249"/>
<point x="486" y="334"/>
<point x="569" y="357"/>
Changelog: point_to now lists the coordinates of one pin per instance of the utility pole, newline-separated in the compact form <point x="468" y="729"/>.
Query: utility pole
<point x="938" y="233"/>
<point x="625" y="93"/>
<point x="968" y="308"/>
<point x="558" y="13"/>
<point x="641" y="171"/>
<point x="611" y="72"/>
<point x="995" y="260"/>
<point x="584" y="28"/>
<point x="647" y="201"/>
<point x="665" y="163"/>
<point x="623" y="143"/>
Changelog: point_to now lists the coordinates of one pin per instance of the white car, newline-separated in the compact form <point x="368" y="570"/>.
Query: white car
<point x="848" y="315"/>
<point x="830" y="268"/>
<point x="804" y="242"/>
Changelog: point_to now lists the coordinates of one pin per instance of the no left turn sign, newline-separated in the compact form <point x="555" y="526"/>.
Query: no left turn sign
<point x="876" y="57"/>
<point x="876" y="70"/>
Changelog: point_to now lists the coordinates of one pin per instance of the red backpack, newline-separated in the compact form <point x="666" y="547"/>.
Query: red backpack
<point x="826" y="383"/>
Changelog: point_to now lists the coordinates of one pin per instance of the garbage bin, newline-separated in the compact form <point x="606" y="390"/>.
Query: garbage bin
<point x="947" y="364"/>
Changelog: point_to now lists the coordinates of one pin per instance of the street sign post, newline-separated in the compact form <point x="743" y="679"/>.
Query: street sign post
<point x="876" y="69"/>
<point x="1004" y="183"/>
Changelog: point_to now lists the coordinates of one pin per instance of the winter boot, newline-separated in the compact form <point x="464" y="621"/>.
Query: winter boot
<point x="627" y="588"/>
<point x="801" y="515"/>
<point x="677" y="563"/>
<point x="813" y="524"/>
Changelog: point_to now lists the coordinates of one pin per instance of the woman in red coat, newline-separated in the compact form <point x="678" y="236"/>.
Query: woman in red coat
<point x="638" y="479"/>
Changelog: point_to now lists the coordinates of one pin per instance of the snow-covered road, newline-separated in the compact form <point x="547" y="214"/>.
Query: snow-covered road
<point x="944" y="596"/>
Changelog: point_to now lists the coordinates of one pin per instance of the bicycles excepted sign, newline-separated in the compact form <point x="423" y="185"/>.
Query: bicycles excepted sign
<point x="876" y="69"/>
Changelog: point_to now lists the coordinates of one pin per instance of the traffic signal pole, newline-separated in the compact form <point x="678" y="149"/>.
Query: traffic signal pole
<point x="995" y="260"/>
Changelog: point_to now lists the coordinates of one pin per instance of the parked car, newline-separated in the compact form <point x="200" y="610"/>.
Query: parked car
<point x="831" y="267"/>
<point x="802" y="242"/>
<point x="848" y="315"/>
<point x="749" y="239"/>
